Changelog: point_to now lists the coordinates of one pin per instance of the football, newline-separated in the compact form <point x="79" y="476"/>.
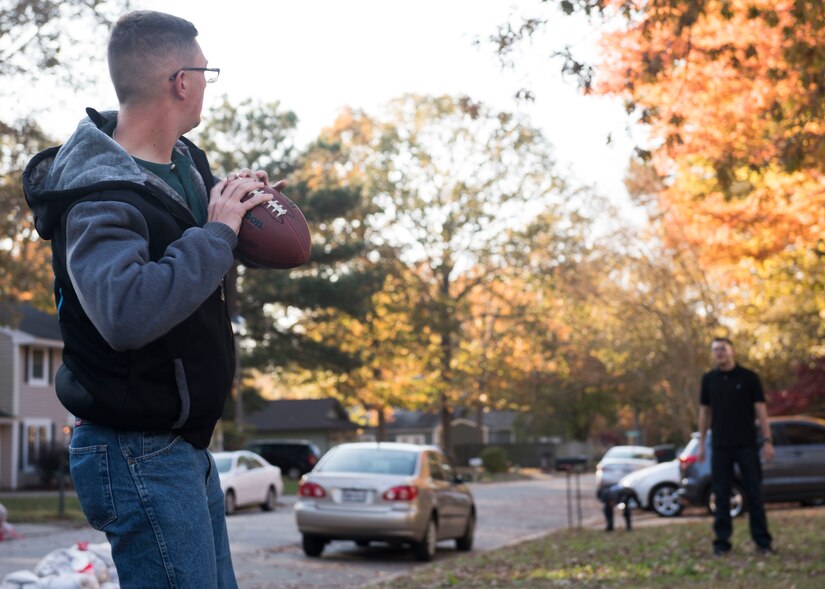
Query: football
<point x="274" y="234"/>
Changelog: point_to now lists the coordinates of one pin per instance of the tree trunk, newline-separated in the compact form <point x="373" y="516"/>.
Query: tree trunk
<point x="446" y="438"/>
<point x="446" y="359"/>
<point x="381" y="433"/>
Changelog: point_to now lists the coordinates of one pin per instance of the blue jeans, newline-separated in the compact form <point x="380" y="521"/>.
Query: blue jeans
<point x="722" y="461"/>
<point x="159" y="501"/>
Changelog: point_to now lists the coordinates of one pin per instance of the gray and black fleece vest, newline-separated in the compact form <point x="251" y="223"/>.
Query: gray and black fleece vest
<point x="179" y="381"/>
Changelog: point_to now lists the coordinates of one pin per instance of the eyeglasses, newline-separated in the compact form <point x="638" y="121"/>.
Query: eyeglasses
<point x="210" y="74"/>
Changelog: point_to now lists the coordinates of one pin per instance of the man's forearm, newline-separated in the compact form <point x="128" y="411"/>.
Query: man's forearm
<point x="762" y="416"/>
<point x="704" y="421"/>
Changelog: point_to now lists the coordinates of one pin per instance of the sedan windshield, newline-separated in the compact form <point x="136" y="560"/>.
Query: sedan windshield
<point x="371" y="461"/>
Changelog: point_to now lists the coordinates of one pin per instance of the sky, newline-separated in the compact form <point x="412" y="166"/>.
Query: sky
<point x="317" y="56"/>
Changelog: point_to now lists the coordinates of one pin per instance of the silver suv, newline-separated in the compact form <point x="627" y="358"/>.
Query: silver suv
<point x="797" y="472"/>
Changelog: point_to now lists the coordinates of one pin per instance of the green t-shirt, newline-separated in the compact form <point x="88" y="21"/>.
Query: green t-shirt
<point x="176" y="174"/>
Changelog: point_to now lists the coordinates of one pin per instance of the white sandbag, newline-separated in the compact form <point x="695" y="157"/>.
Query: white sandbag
<point x="21" y="580"/>
<point x="63" y="560"/>
<point x="103" y="551"/>
<point x="70" y="581"/>
<point x="96" y="566"/>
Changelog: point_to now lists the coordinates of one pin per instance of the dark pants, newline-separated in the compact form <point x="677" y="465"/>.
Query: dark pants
<point x="612" y="496"/>
<point x="750" y="469"/>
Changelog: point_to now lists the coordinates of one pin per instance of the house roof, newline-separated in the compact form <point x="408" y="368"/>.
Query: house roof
<point x="24" y="317"/>
<point x="301" y="414"/>
<point x="495" y="420"/>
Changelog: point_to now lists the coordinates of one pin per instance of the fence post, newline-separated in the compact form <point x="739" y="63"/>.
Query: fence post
<point x="572" y="465"/>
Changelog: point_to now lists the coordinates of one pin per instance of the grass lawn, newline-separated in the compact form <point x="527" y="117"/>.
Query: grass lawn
<point x="672" y="555"/>
<point x="41" y="508"/>
<point x="290" y="486"/>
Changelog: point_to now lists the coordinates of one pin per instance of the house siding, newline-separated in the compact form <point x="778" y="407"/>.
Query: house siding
<point x="6" y="375"/>
<point x="40" y="401"/>
<point x="396" y="434"/>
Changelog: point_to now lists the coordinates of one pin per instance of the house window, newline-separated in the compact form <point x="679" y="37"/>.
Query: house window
<point x="501" y="437"/>
<point x="38" y="366"/>
<point x="38" y="434"/>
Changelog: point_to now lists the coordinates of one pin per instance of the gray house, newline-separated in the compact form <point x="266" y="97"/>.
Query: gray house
<point x="419" y="427"/>
<point x="324" y="422"/>
<point x="31" y="417"/>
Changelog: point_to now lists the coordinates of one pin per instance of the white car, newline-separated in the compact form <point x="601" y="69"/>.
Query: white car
<point x="656" y="488"/>
<point x="248" y="479"/>
<point x="620" y="461"/>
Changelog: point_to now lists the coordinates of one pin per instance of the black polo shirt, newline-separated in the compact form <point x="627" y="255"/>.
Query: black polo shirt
<point x="731" y="396"/>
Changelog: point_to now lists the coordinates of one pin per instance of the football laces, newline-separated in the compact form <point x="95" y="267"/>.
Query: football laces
<point x="276" y="208"/>
<point x="273" y="205"/>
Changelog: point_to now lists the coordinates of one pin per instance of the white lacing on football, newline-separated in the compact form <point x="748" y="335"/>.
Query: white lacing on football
<point x="273" y="205"/>
<point x="276" y="208"/>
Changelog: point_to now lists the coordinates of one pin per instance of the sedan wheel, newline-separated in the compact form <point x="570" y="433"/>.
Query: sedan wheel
<point x="229" y="502"/>
<point x="465" y="543"/>
<point x="737" y="502"/>
<point x="313" y="546"/>
<point x="425" y="549"/>
<point x="271" y="501"/>
<point x="665" y="501"/>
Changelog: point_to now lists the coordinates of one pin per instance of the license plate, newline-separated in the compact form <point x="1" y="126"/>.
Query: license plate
<point x="354" y="495"/>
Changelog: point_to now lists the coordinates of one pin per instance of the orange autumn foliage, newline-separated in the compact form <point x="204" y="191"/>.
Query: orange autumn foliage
<point x="732" y="95"/>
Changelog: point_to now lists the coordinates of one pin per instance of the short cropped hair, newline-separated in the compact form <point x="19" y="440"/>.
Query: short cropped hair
<point x="723" y="340"/>
<point x="140" y="38"/>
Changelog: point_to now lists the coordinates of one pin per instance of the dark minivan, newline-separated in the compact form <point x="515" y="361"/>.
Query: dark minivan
<point x="294" y="457"/>
<point x="797" y="472"/>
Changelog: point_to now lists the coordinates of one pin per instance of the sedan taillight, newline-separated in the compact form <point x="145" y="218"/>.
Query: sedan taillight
<point x="401" y="493"/>
<point x="685" y="462"/>
<point x="308" y="489"/>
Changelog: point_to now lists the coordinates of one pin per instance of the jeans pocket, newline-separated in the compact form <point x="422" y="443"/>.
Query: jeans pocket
<point x="90" y="475"/>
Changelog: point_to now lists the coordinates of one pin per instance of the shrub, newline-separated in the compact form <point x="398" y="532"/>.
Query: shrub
<point x="51" y="460"/>
<point x="494" y="459"/>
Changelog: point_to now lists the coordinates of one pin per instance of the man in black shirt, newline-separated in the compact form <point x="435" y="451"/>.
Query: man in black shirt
<point x="730" y="403"/>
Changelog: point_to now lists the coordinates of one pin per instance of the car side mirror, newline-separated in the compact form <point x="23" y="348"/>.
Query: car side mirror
<point x="458" y="479"/>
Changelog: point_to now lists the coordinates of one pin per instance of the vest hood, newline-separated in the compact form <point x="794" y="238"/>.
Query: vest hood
<point x="90" y="161"/>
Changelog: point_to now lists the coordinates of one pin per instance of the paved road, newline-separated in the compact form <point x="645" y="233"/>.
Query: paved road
<point x="267" y="552"/>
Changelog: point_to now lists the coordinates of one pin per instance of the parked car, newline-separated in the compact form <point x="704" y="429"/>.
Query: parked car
<point x="384" y="491"/>
<point x="619" y="461"/>
<point x="248" y="479"/>
<point x="797" y="472"/>
<point x="656" y="488"/>
<point x="294" y="457"/>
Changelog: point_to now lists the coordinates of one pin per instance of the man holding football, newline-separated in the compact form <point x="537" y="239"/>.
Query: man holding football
<point x="142" y="238"/>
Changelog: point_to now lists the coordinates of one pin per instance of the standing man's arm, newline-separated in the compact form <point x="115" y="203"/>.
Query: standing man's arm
<point x="704" y="416"/>
<point x="704" y="422"/>
<point x="762" y="416"/>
